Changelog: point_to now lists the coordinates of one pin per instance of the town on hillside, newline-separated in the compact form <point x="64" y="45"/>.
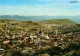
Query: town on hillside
<point x="27" y="38"/>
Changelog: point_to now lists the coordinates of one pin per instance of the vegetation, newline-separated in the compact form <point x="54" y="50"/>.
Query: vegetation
<point x="58" y="21"/>
<point x="58" y="51"/>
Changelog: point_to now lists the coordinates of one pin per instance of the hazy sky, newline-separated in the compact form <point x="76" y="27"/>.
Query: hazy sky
<point x="39" y="7"/>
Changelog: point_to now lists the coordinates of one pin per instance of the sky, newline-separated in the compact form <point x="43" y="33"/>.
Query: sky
<point x="40" y="7"/>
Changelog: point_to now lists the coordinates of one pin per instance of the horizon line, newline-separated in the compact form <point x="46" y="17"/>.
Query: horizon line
<point x="38" y="15"/>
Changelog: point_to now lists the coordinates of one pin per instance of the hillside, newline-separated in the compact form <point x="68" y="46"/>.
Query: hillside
<point x="29" y="25"/>
<point x="58" y="21"/>
<point x="19" y="18"/>
<point x="39" y="18"/>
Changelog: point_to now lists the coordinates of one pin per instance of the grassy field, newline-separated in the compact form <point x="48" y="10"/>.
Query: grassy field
<point x="58" y="21"/>
<point x="30" y="25"/>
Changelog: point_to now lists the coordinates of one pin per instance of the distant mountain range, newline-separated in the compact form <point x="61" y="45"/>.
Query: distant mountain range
<point x="39" y="18"/>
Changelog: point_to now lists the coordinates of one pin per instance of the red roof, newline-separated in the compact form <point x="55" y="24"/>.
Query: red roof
<point x="38" y="37"/>
<point x="30" y="40"/>
<point x="33" y="35"/>
<point x="18" y="38"/>
<point x="5" y="40"/>
<point x="24" y="44"/>
<point x="54" y="42"/>
<point x="8" y="45"/>
<point x="24" y="36"/>
<point x="1" y="43"/>
<point x="57" y="37"/>
<point x="61" y="35"/>
<point x="68" y="39"/>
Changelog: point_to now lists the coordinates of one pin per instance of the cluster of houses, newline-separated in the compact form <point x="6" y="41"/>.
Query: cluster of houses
<point x="21" y="40"/>
<point x="27" y="42"/>
<point x="67" y="35"/>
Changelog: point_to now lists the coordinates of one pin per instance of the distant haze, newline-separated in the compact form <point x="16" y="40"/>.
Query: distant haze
<point x="39" y="18"/>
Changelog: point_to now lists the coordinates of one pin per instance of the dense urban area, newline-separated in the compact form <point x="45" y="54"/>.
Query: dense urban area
<point x="27" y="38"/>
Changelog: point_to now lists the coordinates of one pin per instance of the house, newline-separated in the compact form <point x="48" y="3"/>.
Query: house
<point x="54" y="43"/>
<point x="2" y="51"/>
<point x="5" y="41"/>
<point x="47" y="37"/>
<point x="31" y="41"/>
<point x="8" y="46"/>
<point x="33" y="36"/>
